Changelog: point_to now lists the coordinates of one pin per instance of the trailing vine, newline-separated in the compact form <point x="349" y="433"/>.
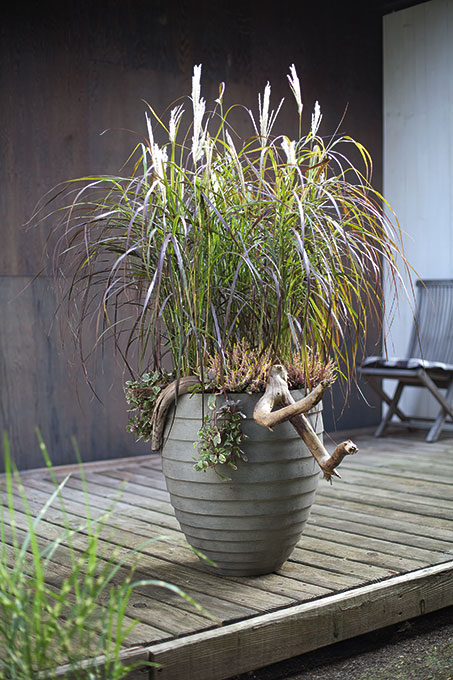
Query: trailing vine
<point x="220" y="437"/>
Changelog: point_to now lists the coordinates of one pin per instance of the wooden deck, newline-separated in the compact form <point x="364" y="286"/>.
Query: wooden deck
<point x="378" y="549"/>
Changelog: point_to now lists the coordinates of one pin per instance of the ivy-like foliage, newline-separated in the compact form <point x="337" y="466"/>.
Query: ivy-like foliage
<point x="142" y="395"/>
<point x="220" y="437"/>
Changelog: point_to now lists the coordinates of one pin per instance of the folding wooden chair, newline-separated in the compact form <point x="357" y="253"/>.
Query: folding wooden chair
<point x="428" y="362"/>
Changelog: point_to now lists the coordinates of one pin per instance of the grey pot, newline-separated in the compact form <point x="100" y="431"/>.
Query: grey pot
<point x="249" y="525"/>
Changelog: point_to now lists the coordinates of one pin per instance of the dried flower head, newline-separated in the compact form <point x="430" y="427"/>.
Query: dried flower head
<point x="295" y="87"/>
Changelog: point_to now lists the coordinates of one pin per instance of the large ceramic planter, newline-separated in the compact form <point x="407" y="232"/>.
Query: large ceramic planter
<point x="248" y="525"/>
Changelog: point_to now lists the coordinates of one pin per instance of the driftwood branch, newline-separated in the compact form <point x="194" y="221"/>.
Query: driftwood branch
<point x="277" y="394"/>
<point x="163" y="403"/>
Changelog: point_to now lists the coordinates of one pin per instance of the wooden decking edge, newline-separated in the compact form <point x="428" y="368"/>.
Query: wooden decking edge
<point x="139" y="657"/>
<point x="262" y="640"/>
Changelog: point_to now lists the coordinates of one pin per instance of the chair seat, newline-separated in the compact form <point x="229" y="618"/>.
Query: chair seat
<point x="412" y="363"/>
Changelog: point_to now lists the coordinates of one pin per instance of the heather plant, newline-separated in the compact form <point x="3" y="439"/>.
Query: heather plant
<point x="243" y="370"/>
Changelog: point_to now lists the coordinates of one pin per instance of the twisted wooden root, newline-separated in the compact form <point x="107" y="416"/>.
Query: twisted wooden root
<point x="277" y="394"/>
<point x="163" y="403"/>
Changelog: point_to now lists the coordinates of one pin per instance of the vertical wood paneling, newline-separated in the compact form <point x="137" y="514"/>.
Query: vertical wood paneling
<point x="418" y="140"/>
<point x="42" y="385"/>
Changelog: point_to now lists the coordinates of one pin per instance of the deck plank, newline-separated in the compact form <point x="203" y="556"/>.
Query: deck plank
<point x="362" y="525"/>
<point x="399" y="502"/>
<point x="378" y="548"/>
<point x="340" y="536"/>
<point x="164" y="619"/>
<point x="386" y="518"/>
<point x="358" y="553"/>
<point x="159" y="557"/>
<point x="382" y="490"/>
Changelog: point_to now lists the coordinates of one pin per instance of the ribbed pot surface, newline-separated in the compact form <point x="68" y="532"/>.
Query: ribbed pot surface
<point x="249" y="525"/>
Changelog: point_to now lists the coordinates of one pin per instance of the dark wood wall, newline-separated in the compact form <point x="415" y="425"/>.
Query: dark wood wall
<point x="69" y="71"/>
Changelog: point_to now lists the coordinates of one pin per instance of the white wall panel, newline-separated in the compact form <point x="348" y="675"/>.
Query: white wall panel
<point x="418" y="151"/>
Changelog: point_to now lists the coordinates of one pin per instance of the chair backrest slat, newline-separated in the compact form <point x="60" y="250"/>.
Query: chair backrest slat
<point x="432" y="337"/>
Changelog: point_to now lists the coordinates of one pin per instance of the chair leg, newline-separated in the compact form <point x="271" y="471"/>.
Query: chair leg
<point x="443" y="401"/>
<point x="434" y="432"/>
<point x="374" y="383"/>
<point x="391" y="411"/>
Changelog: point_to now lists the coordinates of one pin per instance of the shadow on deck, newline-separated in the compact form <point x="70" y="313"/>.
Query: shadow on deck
<point x="378" y="550"/>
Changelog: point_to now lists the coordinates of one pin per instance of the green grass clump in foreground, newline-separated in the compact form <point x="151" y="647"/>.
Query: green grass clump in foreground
<point x="44" y="626"/>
